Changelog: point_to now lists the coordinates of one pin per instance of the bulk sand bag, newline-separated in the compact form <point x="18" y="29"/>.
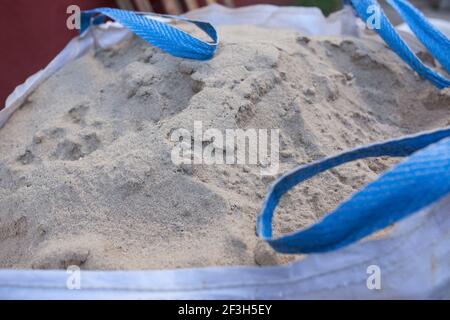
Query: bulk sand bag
<point x="86" y="176"/>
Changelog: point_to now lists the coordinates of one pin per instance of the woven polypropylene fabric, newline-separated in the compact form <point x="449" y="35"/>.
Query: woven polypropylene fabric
<point x="410" y="186"/>
<point x="164" y="36"/>
<point x="396" y="43"/>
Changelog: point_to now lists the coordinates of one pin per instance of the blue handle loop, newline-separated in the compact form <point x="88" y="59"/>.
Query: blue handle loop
<point x="428" y="34"/>
<point x="415" y="183"/>
<point x="164" y="36"/>
<point x="434" y="40"/>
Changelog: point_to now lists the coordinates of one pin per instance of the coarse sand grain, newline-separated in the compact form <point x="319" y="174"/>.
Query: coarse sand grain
<point x="86" y="175"/>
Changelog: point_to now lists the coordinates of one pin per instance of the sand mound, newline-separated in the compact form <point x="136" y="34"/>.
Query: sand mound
<point x="86" y="175"/>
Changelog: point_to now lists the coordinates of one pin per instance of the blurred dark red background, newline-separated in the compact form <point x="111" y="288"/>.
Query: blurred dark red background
<point x="34" y="31"/>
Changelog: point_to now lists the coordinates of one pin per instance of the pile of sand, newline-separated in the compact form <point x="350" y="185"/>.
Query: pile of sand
<point x="86" y="175"/>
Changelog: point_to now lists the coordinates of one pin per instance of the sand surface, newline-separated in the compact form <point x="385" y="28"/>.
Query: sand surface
<point x="86" y="175"/>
